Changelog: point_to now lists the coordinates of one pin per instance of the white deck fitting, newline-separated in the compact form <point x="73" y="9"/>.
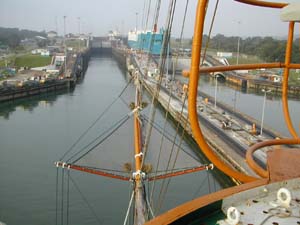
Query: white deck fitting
<point x="259" y="206"/>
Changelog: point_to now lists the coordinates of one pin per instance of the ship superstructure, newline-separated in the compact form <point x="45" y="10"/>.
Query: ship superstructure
<point x="147" y="41"/>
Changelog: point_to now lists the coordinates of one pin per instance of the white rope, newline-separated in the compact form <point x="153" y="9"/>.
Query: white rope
<point x="150" y="208"/>
<point x="128" y="210"/>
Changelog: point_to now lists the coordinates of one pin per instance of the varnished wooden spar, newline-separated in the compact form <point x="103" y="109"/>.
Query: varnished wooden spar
<point x="182" y="172"/>
<point x="140" y="206"/>
<point x="91" y="171"/>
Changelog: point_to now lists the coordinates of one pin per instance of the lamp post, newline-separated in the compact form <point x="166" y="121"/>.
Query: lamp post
<point x="136" y="21"/>
<point x="263" y="110"/>
<point x="216" y="87"/>
<point x="65" y="46"/>
<point x="79" y="38"/>
<point x="238" y="45"/>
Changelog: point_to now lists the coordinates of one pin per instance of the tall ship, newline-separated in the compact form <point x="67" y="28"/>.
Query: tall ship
<point x="148" y="41"/>
<point x="269" y="195"/>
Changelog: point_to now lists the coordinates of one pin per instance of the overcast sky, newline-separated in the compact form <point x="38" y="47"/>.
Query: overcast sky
<point x="100" y="16"/>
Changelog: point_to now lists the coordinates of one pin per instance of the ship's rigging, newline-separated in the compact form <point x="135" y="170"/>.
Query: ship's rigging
<point x="140" y="171"/>
<point x="142" y="206"/>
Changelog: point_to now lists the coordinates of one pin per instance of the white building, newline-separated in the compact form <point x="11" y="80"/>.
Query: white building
<point x="51" y="34"/>
<point x="224" y="54"/>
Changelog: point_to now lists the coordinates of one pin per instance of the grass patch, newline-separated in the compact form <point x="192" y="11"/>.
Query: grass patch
<point x="245" y="60"/>
<point x="32" y="61"/>
<point x="10" y="61"/>
<point x="294" y="78"/>
<point x="75" y="43"/>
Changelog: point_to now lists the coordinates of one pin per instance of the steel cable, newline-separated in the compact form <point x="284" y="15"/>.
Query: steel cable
<point x="85" y="200"/>
<point x="68" y="196"/>
<point x="163" y="192"/>
<point x="161" y="68"/>
<point x="56" y="198"/>
<point x="156" y="127"/>
<point x="62" y="196"/>
<point x="102" y="140"/>
<point x="95" y="121"/>
<point x="95" y="139"/>
<point x="201" y="186"/>
<point x="210" y="30"/>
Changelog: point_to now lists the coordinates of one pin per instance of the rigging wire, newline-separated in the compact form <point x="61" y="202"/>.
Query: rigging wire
<point x="163" y="192"/>
<point x="124" y="102"/>
<point x="159" y="128"/>
<point x="163" y="54"/>
<point x="117" y="124"/>
<point x="56" y="198"/>
<point x="181" y="32"/>
<point x="172" y="10"/>
<point x="156" y="127"/>
<point x="208" y="180"/>
<point x="130" y="190"/>
<point x="148" y="14"/>
<point x="95" y="139"/>
<point x="201" y="186"/>
<point x="163" y="57"/>
<point x="210" y="30"/>
<point x="96" y="120"/>
<point x="85" y="200"/>
<point x="125" y="119"/>
<point x="153" y="103"/>
<point x="128" y="209"/>
<point x="215" y="187"/>
<point x="62" y="196"/>
<point x="143" y="14"/>
<point x="68" y="195"/>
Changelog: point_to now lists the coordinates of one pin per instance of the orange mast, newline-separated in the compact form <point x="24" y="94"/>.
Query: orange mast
<point x="140" y="207"/>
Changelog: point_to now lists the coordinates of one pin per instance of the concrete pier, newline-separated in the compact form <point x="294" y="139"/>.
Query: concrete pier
<point x="76" y="67"/>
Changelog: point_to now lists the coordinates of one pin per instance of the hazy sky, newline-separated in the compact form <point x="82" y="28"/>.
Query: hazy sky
<point x="100" y="16"/>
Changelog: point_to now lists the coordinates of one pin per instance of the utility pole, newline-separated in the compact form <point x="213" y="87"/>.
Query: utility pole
<point x="216" y="88"/>
<point x="56" y="27"/>
<point x="136" y="21"/>
<point x="65" y="46"/>
<point x="79" y="39"/>
<point x="238" y="45"/>
<point x="263" y="110"/>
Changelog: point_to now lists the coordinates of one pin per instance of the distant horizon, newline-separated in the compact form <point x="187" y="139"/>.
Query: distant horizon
<point x="98" y="17"/>
<point x="283" y="37"/>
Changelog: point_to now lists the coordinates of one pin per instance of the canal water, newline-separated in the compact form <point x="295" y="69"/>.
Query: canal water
<point x="36" y="132"/>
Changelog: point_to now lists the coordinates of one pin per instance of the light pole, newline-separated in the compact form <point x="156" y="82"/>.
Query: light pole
<point x="65" y="46"/>
<point x="216" y="87"/>
<point x="263" y="110"/>
<point x="238" y="45"/>
<point x="79" y="39"/>
<point x="136" y="21"/>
